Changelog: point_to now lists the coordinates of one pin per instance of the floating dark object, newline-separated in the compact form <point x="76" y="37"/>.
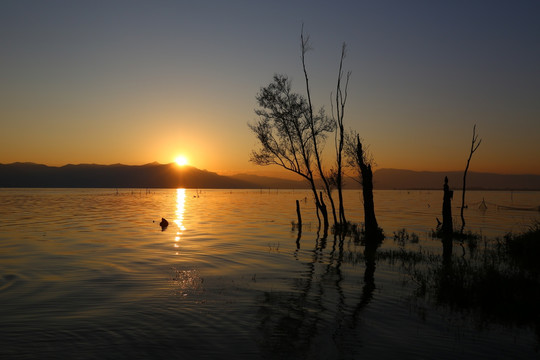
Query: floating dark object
<point x="164" y="223"/>
<point x="483" y="205"/>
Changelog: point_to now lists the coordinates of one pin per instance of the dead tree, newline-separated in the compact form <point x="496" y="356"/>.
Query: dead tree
<point x="292" y="134"/>
<point x="312" y="120"/>
<point x="362" y="162"/>
<point x="475" y="143"/>
<point x="335" y="177"/>
<point x="338" y="114"/>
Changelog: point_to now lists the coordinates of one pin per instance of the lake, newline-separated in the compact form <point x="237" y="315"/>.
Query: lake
<point x="89" y="274"/>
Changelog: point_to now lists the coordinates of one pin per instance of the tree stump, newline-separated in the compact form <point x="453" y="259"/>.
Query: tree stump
<point x="447" y="226"/>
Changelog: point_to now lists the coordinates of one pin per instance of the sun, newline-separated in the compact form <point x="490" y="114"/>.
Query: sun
<point x="181" y="160"/>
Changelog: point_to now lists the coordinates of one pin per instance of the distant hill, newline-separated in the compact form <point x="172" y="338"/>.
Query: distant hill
<point x="157" y="175"/>
<point x="407" y="179"/>
<point x="266" y="182"/>
<point x="115" y="176"/>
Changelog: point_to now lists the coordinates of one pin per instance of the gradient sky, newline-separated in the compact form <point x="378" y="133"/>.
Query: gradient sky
<point x="140" y="81"/>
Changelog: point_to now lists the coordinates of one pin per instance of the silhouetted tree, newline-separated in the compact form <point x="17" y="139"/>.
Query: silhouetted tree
<point x="338" y="113"/>
<point x="335" y="176"/>
<point x="311" y="119"/>
<point x="288" y="134"/>
<point x="475" y="143"/>
<point x="292" y="133"/>
<point x="362" y="161"/>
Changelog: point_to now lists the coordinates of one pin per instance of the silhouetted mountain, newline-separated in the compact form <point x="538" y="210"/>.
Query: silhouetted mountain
<point x="407" y="179"/>
<point x="266" y="182"/>
<point x="155" y="175"/>
<point x="152" y="175"/>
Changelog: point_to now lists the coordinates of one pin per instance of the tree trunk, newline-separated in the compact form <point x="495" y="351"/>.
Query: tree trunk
<point x="324" y="213"/>
<point x="318" y="206"/>
<point x="311" y="121"/>
<point x="370" y="221"/>
<point x="372" y="228"/>
<point x="475" y="143"/>
<point x="447" y="226"/>
<point x="342" y="219"/>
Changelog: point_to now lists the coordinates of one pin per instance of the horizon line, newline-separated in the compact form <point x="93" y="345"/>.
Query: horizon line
<point x="251" y="172"/>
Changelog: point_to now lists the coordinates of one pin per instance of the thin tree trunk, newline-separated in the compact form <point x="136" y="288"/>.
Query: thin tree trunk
<point x="474" y="146"/>
<point x="341" y="99"/>
<point x="324" y="211"/>
<point x="342" y="218"/>
<point x="317" y="205"/>
<point x="305" y="46"/>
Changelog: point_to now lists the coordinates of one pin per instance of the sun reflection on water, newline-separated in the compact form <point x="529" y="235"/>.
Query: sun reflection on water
<point x="180" y="209"/>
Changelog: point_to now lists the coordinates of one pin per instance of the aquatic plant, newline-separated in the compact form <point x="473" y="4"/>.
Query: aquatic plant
<point x="355" y="231"/>
<point x="491" y="290"/>
<point x="524" y="249"/>
<point x="273" y="247"/>
<point x="497" y="283"/>
<point x="457" y="235"/>
<point x="402" y="237"/>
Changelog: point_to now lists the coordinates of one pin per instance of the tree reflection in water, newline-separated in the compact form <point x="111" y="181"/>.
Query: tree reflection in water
<point x="292" y="322"/>
<point x="322" y="315"/>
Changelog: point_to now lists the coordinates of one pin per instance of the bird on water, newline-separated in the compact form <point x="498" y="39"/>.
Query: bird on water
<point x="164" y="223"/>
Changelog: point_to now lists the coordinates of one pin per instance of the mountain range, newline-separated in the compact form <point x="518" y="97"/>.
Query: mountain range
<point x="153" y="175"/>
<point x="407" y="179"/>
<point x="157" y="175"/>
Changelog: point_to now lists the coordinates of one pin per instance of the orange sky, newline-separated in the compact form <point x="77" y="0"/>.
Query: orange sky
<point x="136" y="83"/>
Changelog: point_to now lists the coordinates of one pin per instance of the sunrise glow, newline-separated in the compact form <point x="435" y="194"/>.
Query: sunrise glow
<point x="138" y="103"/>
<point x="181" y="160"/>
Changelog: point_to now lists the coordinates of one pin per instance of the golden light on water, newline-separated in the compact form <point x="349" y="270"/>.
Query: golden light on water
<point x="179" y="220"/>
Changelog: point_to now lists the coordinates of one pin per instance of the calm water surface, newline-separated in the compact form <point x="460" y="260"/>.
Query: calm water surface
<point x="88" y="273"/>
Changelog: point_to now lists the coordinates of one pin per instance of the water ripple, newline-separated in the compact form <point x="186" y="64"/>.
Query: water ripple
<point x="92" y="268"/>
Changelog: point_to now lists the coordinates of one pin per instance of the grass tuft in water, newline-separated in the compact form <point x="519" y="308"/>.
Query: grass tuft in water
<point x="498" y="282"/>
<point x="402" y="237"/>
<point x="524" y="249"/>
<point x="355" y="231"/>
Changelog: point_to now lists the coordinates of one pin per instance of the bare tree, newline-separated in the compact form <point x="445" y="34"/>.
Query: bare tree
<point x="360" y="159"/>
<point x="288" y="135"/>
<point x="338" y="114"/>
<point x="292" y="134"/>
<point x="335" y="177"/>
<point x="475" y="143"/>
<point x="305" y="46"/>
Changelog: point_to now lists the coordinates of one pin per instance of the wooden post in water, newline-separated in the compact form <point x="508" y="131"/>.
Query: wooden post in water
<point x="299" y="224"/>
<point x="447" y="226"/>
<point x="299" y="216"/>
